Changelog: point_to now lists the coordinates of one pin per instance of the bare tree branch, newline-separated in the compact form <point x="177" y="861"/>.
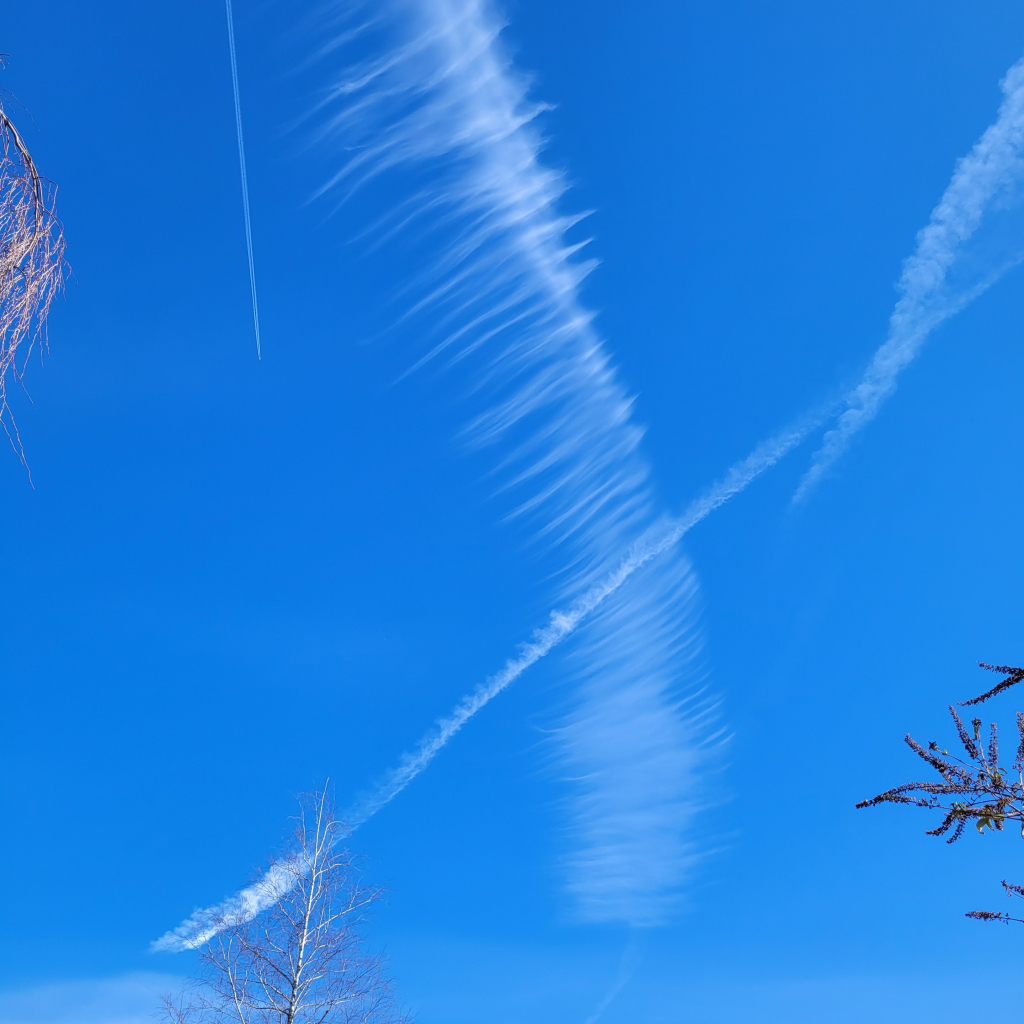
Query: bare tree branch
<point x="301" y="961"/>
<point x="32" y="264"/>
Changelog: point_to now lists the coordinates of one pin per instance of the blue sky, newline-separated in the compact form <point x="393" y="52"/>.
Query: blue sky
<point x="235" y="579"/>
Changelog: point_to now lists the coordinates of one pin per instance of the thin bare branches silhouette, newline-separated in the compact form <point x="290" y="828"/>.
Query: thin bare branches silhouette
<point x="300" y="959"/>
<point x="32" y="264"/>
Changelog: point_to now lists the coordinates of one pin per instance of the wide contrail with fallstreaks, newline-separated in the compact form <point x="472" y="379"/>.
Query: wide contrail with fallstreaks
<point x="203" y="924"/>
<point x="443" y="102"/>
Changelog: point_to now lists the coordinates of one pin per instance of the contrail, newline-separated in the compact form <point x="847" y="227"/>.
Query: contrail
<point x="563" y="623"/>
<point x="627" y="968"/>
<point x="203" y="924"/>
<point x="245" y="180"/>
<point x="448" y="97"/>
<point x="440" y="106"/>
<point x="959" y="255"/>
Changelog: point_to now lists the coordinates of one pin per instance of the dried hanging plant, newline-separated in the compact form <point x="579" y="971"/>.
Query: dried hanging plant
<point x="978" y="788"/>
<point x="32" y="264"/>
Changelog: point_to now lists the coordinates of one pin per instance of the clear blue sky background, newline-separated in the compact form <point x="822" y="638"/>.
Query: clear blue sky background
<point x="237" y="578"/>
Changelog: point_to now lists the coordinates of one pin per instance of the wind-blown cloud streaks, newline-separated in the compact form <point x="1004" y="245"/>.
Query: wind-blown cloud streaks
<point x="439" y="103"/>
<point x="564" y="622"/>
<point x="437" y="109"/>
<point x="974" y="235"/>
<point x="437" y="113"/>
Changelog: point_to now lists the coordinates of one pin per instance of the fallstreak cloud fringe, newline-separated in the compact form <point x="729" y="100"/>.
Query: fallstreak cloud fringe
<point x="441" y="103"/>
<point x="562" y="624"/>
<point x="438" y="113"/>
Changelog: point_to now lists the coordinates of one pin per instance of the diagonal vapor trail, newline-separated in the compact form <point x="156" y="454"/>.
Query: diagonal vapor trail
<point x="974" y="235"/>
<point x="204" y="924"/>
<point x="244" y="176"/>
<point x="563" y="623"/>
<point x="628" y="964"/>
<point x="447" y="97"/>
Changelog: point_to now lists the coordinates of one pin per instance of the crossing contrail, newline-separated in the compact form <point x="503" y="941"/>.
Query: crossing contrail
<point x="563" y="623"/>
<point x="241" y="167"/>
<point x="204" y="924"/>
<point x="628" y="964"/>
<point x="449" y="98"/>
<point x="974" y="236"/>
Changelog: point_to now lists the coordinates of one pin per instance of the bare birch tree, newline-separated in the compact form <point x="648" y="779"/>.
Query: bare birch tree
<point x="300" y="960"/>
<point x="31" y="263"/>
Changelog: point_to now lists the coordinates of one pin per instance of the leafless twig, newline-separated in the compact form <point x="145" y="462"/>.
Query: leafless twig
<point x="300" y="961"/>
<point x="32" y="264"/>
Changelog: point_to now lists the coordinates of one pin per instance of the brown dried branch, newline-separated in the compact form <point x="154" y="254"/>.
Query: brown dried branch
<point x="32" y="264"/>
<point x="977" y="789"/>
<point x="1013" y="677"/>
<point x="992" y="915"/>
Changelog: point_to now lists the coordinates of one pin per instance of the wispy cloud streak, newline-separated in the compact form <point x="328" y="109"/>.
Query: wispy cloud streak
<point x="975" y="234"/>
<point x="564" y="622"/>
<point x="439" y="102"/>
<point x="438" y="113"/>
<point x="126" y="999"/>
<point x="442" y="105"/>
<point x="636" y="777"/>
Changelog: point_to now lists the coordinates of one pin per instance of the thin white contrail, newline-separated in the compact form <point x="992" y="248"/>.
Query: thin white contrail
<point x="245" y="179"/>
<point x="959" y="254"/>
<point x="512" y="262"/>
<point x="627" y="968"/>
<point x="203" y="924"/>
<point x="563" y="623"/>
